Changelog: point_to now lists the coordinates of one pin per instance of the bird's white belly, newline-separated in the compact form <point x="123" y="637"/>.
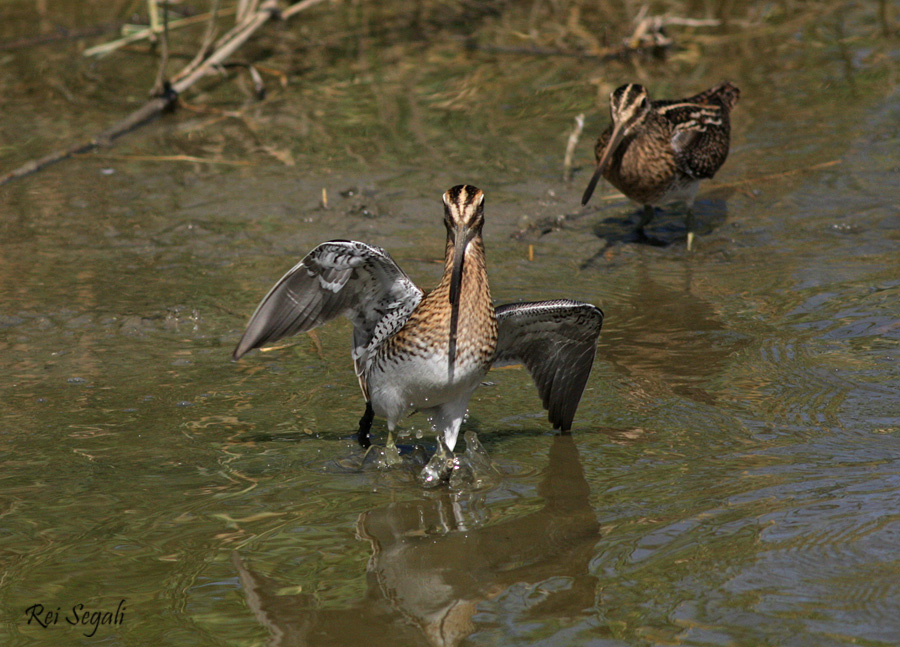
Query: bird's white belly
<point x="680" y="190"/>
<point x="420" y="384"/>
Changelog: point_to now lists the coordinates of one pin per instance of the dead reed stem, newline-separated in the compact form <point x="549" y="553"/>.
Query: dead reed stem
<point x="574" y="136"/>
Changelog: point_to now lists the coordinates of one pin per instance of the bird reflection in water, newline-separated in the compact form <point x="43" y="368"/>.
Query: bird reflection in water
<point x="434" y="561"/>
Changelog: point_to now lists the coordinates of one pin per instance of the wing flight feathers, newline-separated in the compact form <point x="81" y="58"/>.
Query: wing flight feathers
<point x="556" y="341"/>
<point x="340" y="277"/>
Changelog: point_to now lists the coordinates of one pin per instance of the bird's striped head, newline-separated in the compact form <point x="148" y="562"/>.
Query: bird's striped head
<point x="629" y="105"/>
<point x="464" y="208"/>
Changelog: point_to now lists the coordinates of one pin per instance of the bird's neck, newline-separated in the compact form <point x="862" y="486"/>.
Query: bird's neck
<point x="474" y="267"/>
<point x="474" y="292"/>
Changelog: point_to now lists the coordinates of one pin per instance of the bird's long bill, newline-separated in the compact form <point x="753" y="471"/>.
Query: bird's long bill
<point x="459" y="257"/>
<point x="613" y="143"/>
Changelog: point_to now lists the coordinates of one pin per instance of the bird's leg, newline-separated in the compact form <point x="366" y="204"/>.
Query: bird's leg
<point x="447" y="418"/>
<point x="646" y="217"/>
<point x="689" y="223"/>
<point x="391" y="451"/>
<point x="365" y="426"/>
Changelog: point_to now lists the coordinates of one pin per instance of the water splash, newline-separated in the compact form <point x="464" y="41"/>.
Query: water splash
<point x="471" y="470"/>
<point x="438" y="469"/>
<point x="474" y="469"/>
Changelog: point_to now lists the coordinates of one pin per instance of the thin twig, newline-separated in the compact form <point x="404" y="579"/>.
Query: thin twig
<point x="241" y="25"/>
<point x="245" y="8"/>
<point x="159" y="84"/>
<point x="228" y="48"/>
<point x="776" y="176"/>
<point x="176" y="158"/>
<point x="107" y="48"/>
<point x="259" y="86"/>
<point x="208" y="38"/>
<point x="574" y="136"/>
<point x="241" y="11"/>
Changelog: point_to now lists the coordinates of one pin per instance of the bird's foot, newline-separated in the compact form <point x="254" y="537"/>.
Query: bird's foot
<point x="391" y="452"/>
<point x="439" y="468"/>
<point x="382" y="457"/>
<point x="471" y="470"/>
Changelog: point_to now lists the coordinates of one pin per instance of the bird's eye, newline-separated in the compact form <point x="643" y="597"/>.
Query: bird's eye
<point x="643" y="103"/>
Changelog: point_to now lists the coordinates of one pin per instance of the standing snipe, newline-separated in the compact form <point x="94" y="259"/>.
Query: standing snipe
<point x="428" y="352"/>
<point x="658" y="151"/>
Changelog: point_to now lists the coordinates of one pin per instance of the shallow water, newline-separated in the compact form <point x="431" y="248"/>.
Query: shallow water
<point x="732" y="476"/>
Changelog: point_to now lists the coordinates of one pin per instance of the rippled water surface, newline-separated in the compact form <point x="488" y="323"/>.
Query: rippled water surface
<point x="732" y="477"/>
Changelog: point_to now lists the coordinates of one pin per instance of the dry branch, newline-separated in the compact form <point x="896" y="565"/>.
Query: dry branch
<point x="156" y="105"/>
<point x="207" y="42"/>
<point x="107" y="48"/>
<point x="574" y="136"/>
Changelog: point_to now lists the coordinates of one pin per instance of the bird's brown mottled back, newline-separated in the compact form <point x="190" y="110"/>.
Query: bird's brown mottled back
<point x="658" y="151"/>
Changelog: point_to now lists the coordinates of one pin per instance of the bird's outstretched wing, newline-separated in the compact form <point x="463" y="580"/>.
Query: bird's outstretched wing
<point x="340" y="277"/>
<point x="556" y="341"/>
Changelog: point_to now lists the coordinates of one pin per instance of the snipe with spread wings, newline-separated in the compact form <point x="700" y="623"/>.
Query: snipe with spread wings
<point x="429" y="352"/>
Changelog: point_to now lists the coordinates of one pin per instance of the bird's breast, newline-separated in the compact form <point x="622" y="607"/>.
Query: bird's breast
<point x="643" y="168"/>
